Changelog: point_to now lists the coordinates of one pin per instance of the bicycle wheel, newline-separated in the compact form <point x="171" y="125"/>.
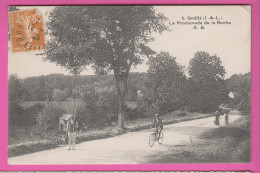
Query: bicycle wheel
<point x="160" y="140"/>
<point x="151" y="139"/>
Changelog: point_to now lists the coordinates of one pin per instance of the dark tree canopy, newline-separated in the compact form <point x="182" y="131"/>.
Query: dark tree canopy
<point x="109" y="38"/>
<point x="15" y="89"/>
<point x="203" y="66"/>
<point x="206" y="84"/>
<point x="165" y="84"/>
<point x="240" y="86"/>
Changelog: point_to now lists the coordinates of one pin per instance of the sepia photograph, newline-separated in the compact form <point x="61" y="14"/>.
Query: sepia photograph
<point x="129" y="84"/>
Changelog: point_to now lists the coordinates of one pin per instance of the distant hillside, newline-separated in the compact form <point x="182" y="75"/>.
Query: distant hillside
<point x="41" y="87"/>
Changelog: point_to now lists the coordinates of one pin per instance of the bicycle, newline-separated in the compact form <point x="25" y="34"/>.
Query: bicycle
<point x="154" y="137"/>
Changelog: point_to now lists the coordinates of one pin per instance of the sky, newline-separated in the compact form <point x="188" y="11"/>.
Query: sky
<point x="230" y="42"/>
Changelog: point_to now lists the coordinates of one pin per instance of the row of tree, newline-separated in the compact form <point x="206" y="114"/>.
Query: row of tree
<point x="168" y="89"/>
<point x="164" y="88"/>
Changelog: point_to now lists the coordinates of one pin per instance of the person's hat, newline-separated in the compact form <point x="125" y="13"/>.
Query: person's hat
<point x="156" y="114"/>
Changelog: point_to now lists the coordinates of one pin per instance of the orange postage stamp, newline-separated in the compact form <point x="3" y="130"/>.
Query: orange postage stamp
<point x="26" y="30"/>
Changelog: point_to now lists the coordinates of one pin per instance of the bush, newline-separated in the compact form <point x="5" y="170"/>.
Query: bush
<point x="21" y="122"/>
<point x="32" y="112"/>
<point x="15" y="115"/>
<point x="180" y="113"/>
<point x="243" y="105"/>
<point x="101" y="108"/>
<point x="107" y="106"/>
<point x="135" y="113"/>
<point x="86" y="116"/>
<point x="48" y="121"/>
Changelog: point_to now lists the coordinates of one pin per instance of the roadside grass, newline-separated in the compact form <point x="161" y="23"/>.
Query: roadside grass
<point x="29" y="145"/>
<point x="229" y="144"/>
<point x="169" y="118"/>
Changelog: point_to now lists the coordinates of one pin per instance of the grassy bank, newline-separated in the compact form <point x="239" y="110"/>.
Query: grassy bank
<point x="131" y="125"/>
<point x="229" y="144"/>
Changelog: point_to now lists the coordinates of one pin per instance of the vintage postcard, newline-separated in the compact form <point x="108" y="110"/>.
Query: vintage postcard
<point x="132" y="84"/>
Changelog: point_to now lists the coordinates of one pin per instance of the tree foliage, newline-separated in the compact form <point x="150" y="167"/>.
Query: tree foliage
<point x="107" y="37"/>
<point x="15" y="89"/>
<point x="48" y="119"/>
<point x="165" y="84"/>
<point x="111" y="38"/>
<point x="240" y="86"/>
<point x="206" y="83"/>
<point x="100" y="108"/>
<point x="59" y="95"/>
<point x="17" y="114"/>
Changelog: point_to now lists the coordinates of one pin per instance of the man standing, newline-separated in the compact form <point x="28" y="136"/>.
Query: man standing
<point x="71" y="133"/>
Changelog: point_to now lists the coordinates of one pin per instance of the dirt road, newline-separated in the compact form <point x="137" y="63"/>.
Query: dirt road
<point x="129" y="148"/>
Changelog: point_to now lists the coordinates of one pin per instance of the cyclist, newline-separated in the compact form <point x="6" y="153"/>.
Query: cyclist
<point x="158" y="124"/>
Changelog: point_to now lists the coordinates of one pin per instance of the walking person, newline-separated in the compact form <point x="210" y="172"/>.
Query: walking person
<point x="71" y="133"/>
<point x="217" y="117"/>
<point x="226" y="118"/>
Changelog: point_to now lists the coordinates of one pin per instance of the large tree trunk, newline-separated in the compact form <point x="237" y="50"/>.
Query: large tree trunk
<point x="121" y="90"/>
<point x="121" y="113"/>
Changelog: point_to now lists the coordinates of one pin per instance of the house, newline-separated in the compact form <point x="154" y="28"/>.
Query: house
<point x="231" y="95"/>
